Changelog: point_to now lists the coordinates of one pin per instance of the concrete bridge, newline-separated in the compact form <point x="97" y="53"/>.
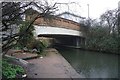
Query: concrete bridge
<point x="64" y="31"/>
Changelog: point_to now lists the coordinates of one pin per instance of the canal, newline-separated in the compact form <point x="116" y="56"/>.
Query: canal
<point x="91" y="64"/>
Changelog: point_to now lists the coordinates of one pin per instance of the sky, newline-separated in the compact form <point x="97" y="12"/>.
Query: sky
<point x="80" y="7"/>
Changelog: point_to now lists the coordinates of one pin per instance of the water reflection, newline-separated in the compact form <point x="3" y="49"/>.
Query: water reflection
<point x="92" y="64"/>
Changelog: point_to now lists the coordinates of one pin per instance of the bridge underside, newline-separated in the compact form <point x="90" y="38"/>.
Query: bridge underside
<point x="65" y="40"/>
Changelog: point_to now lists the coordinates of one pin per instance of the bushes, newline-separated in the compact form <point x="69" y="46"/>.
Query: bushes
<point x="100" y="39"/>
<point x="36" y="44"/>
<point x="27" y="36"/>
<point x="110" y="44"/>
<point x="10" y="70"/>
<point x="27" y="40"/>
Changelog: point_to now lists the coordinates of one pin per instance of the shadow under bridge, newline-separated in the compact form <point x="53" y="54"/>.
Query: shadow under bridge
<point x="66" y="40"/>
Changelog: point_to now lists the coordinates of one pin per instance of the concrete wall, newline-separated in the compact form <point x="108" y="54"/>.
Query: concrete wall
<point x="48" y="30"/>
<point x="48" y="42"/>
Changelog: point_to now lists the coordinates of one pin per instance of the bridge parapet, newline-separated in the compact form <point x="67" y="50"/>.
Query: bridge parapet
<point x="55" y="21"/>
<point x="59" y="22"/>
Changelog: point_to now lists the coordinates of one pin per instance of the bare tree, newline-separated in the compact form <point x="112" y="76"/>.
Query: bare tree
<point x="12" y="16"/>
<point x="109" y="18"/>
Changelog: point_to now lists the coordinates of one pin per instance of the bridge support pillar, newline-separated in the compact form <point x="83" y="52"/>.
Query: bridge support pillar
<point x="78" y="42"/>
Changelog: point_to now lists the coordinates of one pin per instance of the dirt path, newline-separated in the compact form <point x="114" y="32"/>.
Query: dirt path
<point x="53" y="65"/>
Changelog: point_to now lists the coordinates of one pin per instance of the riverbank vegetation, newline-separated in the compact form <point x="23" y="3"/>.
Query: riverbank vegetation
<point x="10" y="70"/>
<point x="103" y="35"/>
<point x="27" y="41"/>
<point x="98" y="39"/>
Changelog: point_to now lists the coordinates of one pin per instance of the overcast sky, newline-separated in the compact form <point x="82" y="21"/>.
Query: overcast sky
<point x="96" y="7"/>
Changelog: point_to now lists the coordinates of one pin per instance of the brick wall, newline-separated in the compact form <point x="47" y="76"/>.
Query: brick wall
<point x="57" y="21"/>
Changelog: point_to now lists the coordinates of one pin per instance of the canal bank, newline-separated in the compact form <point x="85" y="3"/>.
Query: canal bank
<point x="87" y="49"/>
<point x="53" y="65"/>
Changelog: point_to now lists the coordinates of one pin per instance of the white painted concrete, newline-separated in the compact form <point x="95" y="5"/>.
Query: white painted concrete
<point x="55" y="30"/>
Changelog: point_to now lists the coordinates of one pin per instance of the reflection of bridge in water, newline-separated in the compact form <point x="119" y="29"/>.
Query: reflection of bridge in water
<point x="64" y="31"/>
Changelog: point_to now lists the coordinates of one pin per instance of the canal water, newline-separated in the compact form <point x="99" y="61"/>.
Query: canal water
<point x="91" y="64"/>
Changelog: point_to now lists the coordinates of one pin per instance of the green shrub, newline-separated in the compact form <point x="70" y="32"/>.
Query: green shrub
<point x="27" y="40"/>
<point x="39" y="46"/>
<point x="36" y="44"/>
<point x="100" y="39"/>
<point x="27" y="36"/>
<point x="10" y="70"/>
